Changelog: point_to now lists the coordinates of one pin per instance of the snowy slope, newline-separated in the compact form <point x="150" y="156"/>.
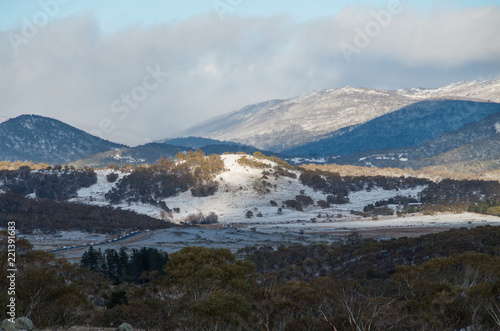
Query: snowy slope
<point x="236" y="196"/>
<point x="280" y="124"/>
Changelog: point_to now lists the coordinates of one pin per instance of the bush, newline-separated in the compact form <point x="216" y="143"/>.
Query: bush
<point x="337" y="199"/>
<point x="261" y="186"/>
<point x="305" y="200"/>
<point x="245" y="161"/>
<point x="112" y="177"/>
<point x="294" y="204"/>
<point x="323" y="204"/>
<point x="199" y="218"/>
<point x="205" y="190"/>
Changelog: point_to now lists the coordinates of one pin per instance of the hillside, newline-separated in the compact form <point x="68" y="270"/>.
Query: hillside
<point x="142" y="154"/>
<point x="242" y="188"/>
<point x="484" y="149"/>
<point x="410" y="126"/>
<point x="42" y="139"/>
<point x="283" y="124"/>
<point x="196" y="142"/>
<point x="472" y="143"/>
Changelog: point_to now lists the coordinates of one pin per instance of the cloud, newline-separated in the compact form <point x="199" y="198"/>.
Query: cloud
<point x="75" y="73"/>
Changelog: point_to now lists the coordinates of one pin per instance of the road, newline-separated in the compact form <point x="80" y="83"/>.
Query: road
<point x="111" y="241"/>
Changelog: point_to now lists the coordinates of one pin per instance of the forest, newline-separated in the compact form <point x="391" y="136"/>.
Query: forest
<point x="51" y="216"/>
<point x="444" y="281"/>
<point x="52" y="183"/>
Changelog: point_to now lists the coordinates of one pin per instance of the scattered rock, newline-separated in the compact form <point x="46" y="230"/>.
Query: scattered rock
<point x="125" y="327"/>
<point x="21" y="323"/>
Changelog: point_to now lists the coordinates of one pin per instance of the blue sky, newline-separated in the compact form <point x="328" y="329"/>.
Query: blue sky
<point x="80" y="60"/>
<point x="117" y="15"/>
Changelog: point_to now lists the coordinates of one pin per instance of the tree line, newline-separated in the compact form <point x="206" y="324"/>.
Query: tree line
<point x="140" y="266"/>
<point x="53" y="183"/>
<point x="52" y="216"/>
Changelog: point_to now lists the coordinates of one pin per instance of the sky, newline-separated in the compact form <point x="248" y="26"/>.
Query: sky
<point x="138" y="71"/>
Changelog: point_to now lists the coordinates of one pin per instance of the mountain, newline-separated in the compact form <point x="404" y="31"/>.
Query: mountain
<point x="278" y="125"/>
<point x="196" y="142"/>
<point x="410" y="126"/>
<point x="42" y="139"/>
<point x="473" y="142"/>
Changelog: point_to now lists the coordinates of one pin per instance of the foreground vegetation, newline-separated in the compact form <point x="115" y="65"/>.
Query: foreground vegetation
<point x="444" y="281"/>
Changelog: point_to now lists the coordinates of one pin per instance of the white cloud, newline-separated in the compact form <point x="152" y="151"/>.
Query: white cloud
<point x="72" y="72"/>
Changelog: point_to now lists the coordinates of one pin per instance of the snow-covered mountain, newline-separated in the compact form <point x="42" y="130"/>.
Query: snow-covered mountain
<point x="42" y="139"/>
<point x="282" y="124"/>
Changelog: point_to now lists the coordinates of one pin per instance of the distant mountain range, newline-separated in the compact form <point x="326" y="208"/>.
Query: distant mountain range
<point x="281" y="125"/>
<point x="41" y="139"/>
<point x="458" y="124"/>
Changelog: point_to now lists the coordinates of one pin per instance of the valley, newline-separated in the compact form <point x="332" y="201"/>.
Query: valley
<point x="262" y="201"/>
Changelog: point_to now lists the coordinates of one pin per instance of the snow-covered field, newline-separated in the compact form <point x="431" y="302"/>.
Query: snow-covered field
<point x="390" y="222"/>
<point x="173" y="239"/>
<point x="236" y="195"/>
<point x="62" y="239"/>
<point x="276" y="234"/>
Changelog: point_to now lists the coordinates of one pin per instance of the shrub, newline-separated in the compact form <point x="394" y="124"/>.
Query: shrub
<point x="112" y="177"/>
<point x="323" y="204"/>
<point x="205" y="190"/>
<point x="294" y="204"/>
<point x="199" y="218"/>
<point x="337" y="199"/>
<point x="245" y="161"/>
<point x="305" y="200"/>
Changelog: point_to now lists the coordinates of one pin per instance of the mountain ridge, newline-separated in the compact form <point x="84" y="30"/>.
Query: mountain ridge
<point x="42" y="139"/>
<point x="278" y="125"/>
